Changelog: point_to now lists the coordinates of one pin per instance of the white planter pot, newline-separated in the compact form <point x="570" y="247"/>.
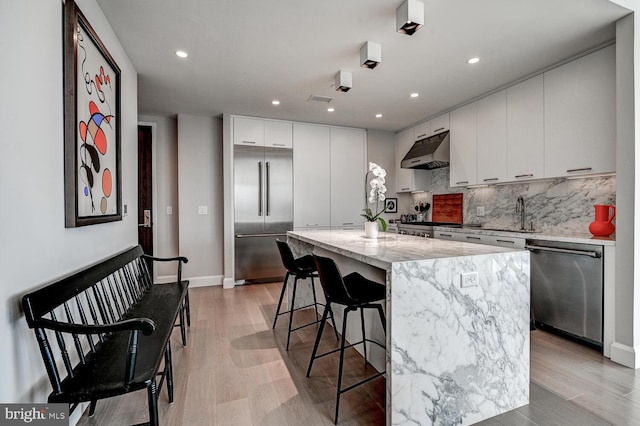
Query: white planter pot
<point x="371" y="229"/>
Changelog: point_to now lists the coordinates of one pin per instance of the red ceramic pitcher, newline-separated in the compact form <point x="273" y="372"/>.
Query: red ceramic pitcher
<point x="602" y="226"/>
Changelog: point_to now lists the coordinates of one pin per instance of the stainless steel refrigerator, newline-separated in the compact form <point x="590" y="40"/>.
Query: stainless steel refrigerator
<point x="263" y="202"/>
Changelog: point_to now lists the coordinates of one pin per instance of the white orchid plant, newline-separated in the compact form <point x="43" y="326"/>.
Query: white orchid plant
<point x="376" y="191"/>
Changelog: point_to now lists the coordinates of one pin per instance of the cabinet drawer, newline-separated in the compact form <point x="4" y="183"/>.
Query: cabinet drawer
<point x="506" y="242"/>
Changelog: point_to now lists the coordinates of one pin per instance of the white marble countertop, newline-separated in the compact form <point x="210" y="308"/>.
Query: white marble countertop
<point x="585" y="238"/>
<point x="389" y="247"/>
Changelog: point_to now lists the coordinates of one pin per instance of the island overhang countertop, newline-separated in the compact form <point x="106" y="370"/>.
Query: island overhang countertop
<point x="391" y="248"/>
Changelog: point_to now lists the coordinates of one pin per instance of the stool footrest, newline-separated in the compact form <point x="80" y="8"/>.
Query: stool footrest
<point x="348" y="346"/>
<point x="362" y="382"/>
<point x="295" y="309"/>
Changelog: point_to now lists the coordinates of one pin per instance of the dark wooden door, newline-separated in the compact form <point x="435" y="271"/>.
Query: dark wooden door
<point x="145" y="200"/>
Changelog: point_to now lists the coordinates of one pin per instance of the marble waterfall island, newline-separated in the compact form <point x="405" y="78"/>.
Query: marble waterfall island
<point x="457" y="322"/>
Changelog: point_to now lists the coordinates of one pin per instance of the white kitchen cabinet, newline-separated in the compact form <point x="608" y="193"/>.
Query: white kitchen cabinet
<point x="311" y="176"/>
<point x="492" y="138"/>
<point x="348" y="169"/>
<point x="502" y="241"/>
<point x="439" y="124"/>
<point x="463" y="142"/>
<point x="278" y="134"/>
<point x="248" y="131"/>
<point x="422" y="131"/>
<point x="474" y="237"/>
<point x="461" y="236"/>
<point x="448" y="235"/>
<point x="408" y="180"/>
<point x="525" y="130"/>
<point x="432" y="127"/>
<point x="580" y="116"/>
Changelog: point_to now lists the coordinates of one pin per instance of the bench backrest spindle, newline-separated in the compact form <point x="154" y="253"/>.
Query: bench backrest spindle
<point x="83" y="319"/>
<point x="63" y="347"/>
<point x="107" y="303"/>
<point x="76" y="339"/>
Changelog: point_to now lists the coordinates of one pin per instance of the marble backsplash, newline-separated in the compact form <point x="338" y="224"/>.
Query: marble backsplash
<point x="559" y="205"/>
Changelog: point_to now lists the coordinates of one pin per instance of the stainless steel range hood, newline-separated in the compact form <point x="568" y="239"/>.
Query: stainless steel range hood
<point x="429" y="153"/>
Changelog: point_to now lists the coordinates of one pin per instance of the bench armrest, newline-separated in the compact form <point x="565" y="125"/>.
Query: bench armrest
<point x="166" y="259"/>
<point x="179" y="259"/>
<point x="146" y="325"/>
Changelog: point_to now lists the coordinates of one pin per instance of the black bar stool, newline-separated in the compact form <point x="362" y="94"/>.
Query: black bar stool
<point x="353" y="292"/>
<point x="302" y="268"/>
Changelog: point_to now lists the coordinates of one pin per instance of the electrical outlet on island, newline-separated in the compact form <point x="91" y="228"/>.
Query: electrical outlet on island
<point x="468" y="279"/>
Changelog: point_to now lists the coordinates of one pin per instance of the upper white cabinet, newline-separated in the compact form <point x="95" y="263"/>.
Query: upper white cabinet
<point x="408" y="180"/>
<point x="580" y="116"/>
<point x="492" y="138"/>
<point x="348" y="168"/>
<point x="432" y="127"/>
<point x="278" y="134"/>
<point x="525" y="130"/>
<point x="248" y="131"/>
<point x="421" y="131"/>
<point x="258" y="132"/>
<point x="464" y="150"/>
<point x="439" y="124"/>
<point x="311" y="176"/>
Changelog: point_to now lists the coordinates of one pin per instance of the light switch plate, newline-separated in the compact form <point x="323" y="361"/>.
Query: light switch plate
<point x="480" y="211"/>
<point x="169" y="210"/>
<point x="468" y="279"/>
<point x="203" y="210"/>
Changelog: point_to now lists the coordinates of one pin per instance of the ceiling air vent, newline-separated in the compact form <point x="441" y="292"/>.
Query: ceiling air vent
<point x="318" y="98"/>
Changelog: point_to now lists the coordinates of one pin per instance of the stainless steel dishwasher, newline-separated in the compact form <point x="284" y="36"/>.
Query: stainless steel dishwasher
<point x="567" y="288"/>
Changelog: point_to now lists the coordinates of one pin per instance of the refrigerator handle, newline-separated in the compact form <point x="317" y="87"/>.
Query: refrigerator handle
<point x="259" y="188"/>
<point x="268" y="187"/>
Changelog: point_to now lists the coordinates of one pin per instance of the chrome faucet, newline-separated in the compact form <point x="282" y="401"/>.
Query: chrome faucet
<point x="520" y="209"/>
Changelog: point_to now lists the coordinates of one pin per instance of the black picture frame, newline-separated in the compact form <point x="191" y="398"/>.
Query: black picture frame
<point x="391" y="204"/>
<point x="92" y="163"/>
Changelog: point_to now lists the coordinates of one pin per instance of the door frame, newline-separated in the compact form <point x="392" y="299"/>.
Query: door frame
<point x="154" y="192"/>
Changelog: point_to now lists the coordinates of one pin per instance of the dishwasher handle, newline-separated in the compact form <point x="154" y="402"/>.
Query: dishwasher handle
<point x="589" y="253"/>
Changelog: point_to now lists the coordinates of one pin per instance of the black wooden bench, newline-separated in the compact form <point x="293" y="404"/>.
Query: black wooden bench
<point x="112" y="327"/>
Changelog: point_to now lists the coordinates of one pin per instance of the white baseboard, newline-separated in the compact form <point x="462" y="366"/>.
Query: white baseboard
<point x="625" y="355"/>
<point x="164" y="279"/>
<point x="193" y="281"/>
<point x="228" y="283"/>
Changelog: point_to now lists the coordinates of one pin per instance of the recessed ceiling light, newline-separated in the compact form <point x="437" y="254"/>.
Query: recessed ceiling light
<point x="415" y="95"/>
<point x="275" y="102"/>
<point x="181" y="54"/>
<point x="378" y="115"/>
<point x="473" y="60"/>
<point x="331" y="109"/>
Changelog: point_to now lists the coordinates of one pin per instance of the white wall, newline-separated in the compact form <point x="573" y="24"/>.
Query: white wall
<point x="165" y="175"/>
<point x="381" y="149"/>
<point x="200" y="184"/>
<point x="35" y="247"/>
<point x="626" y="348"/>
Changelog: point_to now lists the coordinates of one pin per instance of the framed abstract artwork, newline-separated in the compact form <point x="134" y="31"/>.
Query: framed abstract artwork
<point x="91" y="125"/>
<point x="392" y="205"/>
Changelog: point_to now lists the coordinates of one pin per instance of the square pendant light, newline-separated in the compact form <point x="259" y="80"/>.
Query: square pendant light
<point x="370" y="55"/>
<point x="409" y="17"/>
<point x="343" y="81"/>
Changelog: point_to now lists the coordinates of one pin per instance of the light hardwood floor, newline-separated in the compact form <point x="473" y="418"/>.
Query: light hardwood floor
<point x="235" y="371"/>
